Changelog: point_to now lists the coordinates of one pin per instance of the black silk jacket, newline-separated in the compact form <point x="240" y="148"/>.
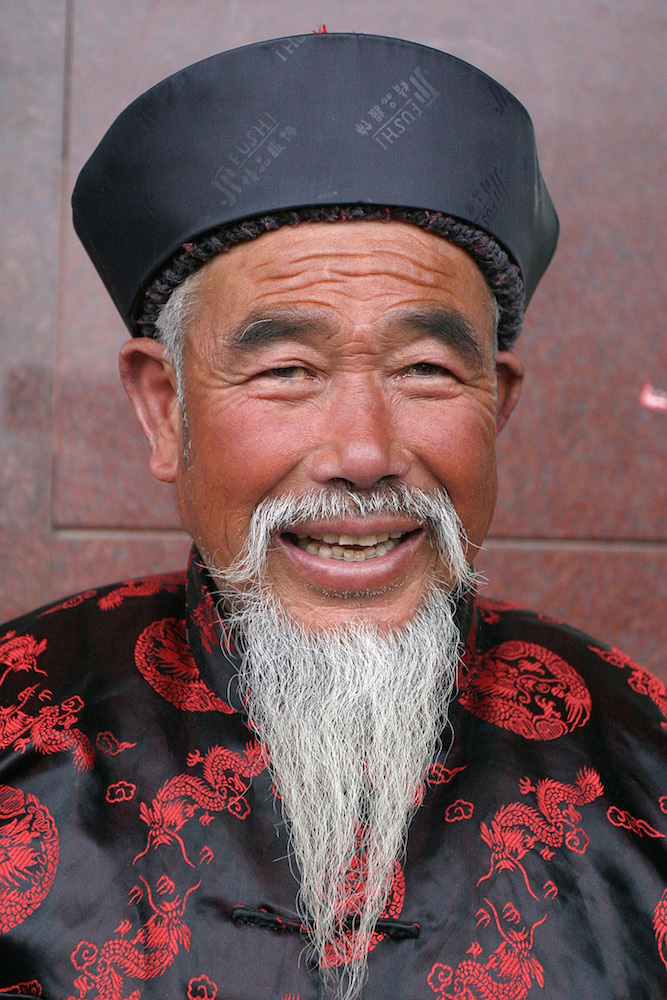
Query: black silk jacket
<point x="143" y="856"/>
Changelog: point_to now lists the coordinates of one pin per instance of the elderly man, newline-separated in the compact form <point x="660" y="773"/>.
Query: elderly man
<point x="320" y="766"/>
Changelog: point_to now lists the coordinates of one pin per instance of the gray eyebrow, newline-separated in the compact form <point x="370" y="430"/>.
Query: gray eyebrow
<point x="259" y="330"/>
<point x="448" y="326"/>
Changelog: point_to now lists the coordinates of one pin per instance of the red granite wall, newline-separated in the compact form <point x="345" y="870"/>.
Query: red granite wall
<point x="580" y="527"/>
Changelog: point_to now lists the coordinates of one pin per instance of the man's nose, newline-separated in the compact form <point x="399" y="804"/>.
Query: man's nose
<point x="358" y="439"/>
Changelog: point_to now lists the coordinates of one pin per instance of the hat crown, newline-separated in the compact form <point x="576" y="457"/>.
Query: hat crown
<point x="305" y="121"/>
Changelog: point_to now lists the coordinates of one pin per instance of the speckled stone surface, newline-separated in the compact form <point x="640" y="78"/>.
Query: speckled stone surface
<point x="616" y="593"/>
<point x="31" y="110"/>
<point x="95" y="558"/>
<point x="580" y="461"/>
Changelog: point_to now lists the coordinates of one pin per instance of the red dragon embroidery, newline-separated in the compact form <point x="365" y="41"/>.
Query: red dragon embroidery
<point x="29" y="851"/>
<point x="527" y="689"/>
<point x="169" y="582"/>
<point x="152" y="950"/>
<point x="518" y="828"/>
<point x="490" y="610"/>
<point x="348" y="945"/>
<point x="70" y="602"/>
<point x="20" y="652"/>
<point x="163" y="656"/>
<point x="32" y="988"/>
<point x="203" y="616"/>
<point x="660" y="926"/>
<point x="507" y="974"/>
<point x="51" y="729"/>
<point x="640" y="680"/>
<point x="225" y="782"/>
<point x="147" y="955"/>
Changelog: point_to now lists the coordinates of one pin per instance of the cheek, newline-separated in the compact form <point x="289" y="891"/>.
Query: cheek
<point x="236" y="459"/>
<point x="256" y="450"/>
<point x="461" y="453"/>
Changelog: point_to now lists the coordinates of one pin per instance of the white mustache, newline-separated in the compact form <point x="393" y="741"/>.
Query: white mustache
<point x="433" y="510"/>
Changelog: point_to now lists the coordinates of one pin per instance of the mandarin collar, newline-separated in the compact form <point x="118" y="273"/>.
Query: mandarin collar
<point x="213" y="645"/>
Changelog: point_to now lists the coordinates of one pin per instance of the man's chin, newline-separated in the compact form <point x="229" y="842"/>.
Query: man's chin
<point x="381" y="611"/>
<point x="390" y="605"/>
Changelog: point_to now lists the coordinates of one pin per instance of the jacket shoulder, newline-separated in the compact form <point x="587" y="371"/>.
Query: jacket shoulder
<point x="505" y="634"/>
<point x="65" y="639"/>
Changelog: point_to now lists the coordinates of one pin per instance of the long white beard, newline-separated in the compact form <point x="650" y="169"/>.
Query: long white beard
<point x="352" y="717"/>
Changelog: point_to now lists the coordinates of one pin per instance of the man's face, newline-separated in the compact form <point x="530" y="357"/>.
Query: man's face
<point x="327" y="355"/>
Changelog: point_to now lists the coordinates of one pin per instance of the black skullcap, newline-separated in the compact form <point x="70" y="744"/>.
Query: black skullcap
<point x="317" y="120"/>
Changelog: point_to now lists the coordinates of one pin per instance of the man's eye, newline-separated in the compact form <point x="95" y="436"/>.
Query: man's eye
<point x="425" y="369"/>
<point x="289" y="372"/>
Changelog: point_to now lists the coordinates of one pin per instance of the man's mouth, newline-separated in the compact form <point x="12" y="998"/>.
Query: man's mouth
<point x="348" y="548"/>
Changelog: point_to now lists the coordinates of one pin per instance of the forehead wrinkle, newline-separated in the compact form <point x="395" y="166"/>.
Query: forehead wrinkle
<point x="336" y="261"/>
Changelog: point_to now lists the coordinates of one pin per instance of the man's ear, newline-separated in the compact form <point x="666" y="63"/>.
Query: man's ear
<point x="510" y="372"/>
<point x="150" y="382"/>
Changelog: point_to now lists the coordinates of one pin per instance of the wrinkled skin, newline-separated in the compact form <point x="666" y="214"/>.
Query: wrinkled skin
<point x="344" y="374"/>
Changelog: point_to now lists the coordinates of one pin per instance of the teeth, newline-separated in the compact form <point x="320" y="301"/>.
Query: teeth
<point x="349" y="548"/>
<point x="366" y="540"/>
<point x="374" y="539"/>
